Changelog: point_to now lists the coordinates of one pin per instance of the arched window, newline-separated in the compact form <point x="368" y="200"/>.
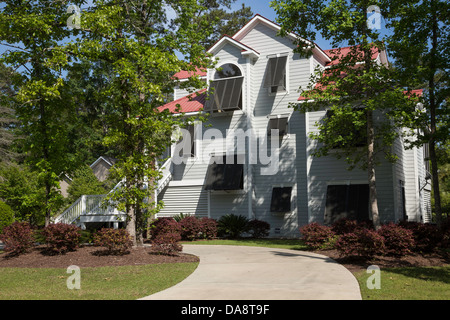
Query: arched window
<point x="225" y="91"/>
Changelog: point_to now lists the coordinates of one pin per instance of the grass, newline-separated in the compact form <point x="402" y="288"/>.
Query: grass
<point x="105" y="283"/>
<point x="292" y="244"/>
<point x="412" y="283"/>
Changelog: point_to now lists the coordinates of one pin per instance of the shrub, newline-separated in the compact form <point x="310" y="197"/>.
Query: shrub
<point x="208" y="228"/>
<point x="427" y="236"/>
<point x="116" y="241"/>
<point x="398" y="241"/>
<point x="315" y="235"/>
<point x="17" y="237"/>
<point x="191" y="228"/>
<point x="167" y="244"/>
<point x="164" y="225"/>
<point x="258" y="228"/>
<point x="61" y="237"/>
<point x="345" y="225"/>
<point x="232" y="226"/>
<point x="362" y="242"/>
<point x="6" y="216"/>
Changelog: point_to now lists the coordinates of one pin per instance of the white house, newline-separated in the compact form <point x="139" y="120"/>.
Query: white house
<point x="256" y="78"/>
<point x="234" y="165"/>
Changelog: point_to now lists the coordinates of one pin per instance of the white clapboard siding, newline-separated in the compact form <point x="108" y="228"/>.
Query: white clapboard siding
<point x="184" y="199"/>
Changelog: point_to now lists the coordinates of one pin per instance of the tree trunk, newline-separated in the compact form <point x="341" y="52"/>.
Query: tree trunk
<point x="373" y="200"/>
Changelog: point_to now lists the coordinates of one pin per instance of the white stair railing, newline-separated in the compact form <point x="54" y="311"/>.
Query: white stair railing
<point x="166" y="169"/>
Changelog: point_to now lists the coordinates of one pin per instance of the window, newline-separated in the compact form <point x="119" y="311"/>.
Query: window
<point x="347" y="201"/>
<point x="225" y="91"/>
<point x="280" y="123"/>
<point x="281" y="199"/>
<point x="356" y="136"/>
<point x="275" y="78"/>
<point x="223" y="175"/>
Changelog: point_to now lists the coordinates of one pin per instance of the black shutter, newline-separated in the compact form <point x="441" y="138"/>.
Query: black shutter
<point x="275" y="72"/>
<point x="280" y="124"/>
<point x="281" y="199"/>
<point x="225" y="95"/>
<point x="347" y="201"/>
<point x="224" y="176"/>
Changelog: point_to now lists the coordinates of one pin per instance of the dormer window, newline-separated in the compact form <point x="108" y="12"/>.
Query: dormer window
<point x="276" y="76"/>
<point x="225" y="91"/>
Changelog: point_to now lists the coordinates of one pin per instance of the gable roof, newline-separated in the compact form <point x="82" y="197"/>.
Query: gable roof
<point x="246" y="50"/>
<point x="261" y="19"/>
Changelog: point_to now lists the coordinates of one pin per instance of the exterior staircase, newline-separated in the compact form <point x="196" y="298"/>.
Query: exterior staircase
<point x="93" y="209"/>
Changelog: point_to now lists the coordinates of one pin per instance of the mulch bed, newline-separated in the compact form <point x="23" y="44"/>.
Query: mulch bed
<point x="357" y="264"/>
<point x="89" y="256"/>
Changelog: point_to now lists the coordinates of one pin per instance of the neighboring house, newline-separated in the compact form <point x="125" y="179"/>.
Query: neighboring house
<point x="258" y="76"/>
<point x="100" y="167"/>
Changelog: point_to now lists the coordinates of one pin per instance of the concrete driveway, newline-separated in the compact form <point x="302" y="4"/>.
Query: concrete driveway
<point x="256" y="273"/>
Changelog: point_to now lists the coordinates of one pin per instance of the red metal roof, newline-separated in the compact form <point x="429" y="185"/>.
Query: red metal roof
<point x="187" y="74"/>
<point x="190" y="103"/>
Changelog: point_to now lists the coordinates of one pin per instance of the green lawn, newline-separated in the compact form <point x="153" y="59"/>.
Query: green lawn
<point x="133" y="282"/>
<point x="106" y="283"/>
<point x="412" y="283"/>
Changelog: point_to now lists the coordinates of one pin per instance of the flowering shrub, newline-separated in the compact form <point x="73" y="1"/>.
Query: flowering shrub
<point x="17" y="237"/>
<point x="167" y="243"/>
<point x="208" y="228"/>
<point x="315" y="235"/>
<point x="361" y="242"/>
<point x="116" y="241"/>
<point x="399" y="241"/>
<point x="61" y="237"/>
<point x="258" y="228"/>
<point x="191" y="228"/>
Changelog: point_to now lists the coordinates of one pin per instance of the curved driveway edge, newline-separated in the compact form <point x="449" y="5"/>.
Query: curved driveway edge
<point x="258" y="273"/>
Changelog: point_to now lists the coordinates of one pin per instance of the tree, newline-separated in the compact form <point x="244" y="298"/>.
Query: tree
<point x="419" y="44"/>
<point x="32" y="31"/>
<point x="355" y="88"/>
<point x="84" y="182"/>
<point x="140" y="45"/>
<point x="219" y="21"/>
<point x="8" y="120"/>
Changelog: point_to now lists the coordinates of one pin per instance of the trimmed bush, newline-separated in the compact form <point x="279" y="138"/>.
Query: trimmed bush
<point x="164" y="225"/>
<point x="116" y="241"/>
<point x="258" y="228"/>
<point x="398" y="241"/>
<point x="191" y="228"/>
<point x="316" y="235"/>
<point x="427" y="236"/>
<point x="18" y="238"/>
<point x="232" y="226"/>
<point x="61" y="237"/>
<point x="6" y="216"/>
<point x="167" y="244"/>
<point x="362" y="242"/>
<point x="208" y="228"/>
<point x="345" y="225"/>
